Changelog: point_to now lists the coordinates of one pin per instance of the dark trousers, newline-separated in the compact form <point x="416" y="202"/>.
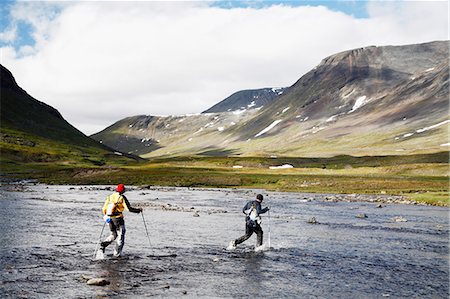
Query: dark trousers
<point x="249" y="230"/>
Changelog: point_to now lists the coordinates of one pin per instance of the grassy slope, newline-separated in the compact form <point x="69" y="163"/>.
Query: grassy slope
<point x="23" y="154"/>
<point x="34" y="137"/>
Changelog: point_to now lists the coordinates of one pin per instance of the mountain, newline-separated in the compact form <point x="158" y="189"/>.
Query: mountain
<point x="142" y="134"/>
<point x="32" y="131"/>
<point x="22" y="112"/>
<point x="367" y="101"/>
<point x="246" y="99"/>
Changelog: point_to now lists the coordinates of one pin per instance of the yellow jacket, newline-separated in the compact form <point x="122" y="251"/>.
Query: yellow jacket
<point x="114" y="205"/>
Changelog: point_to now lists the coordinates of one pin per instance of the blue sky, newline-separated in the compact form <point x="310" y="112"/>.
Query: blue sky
<point x="165" y="58"/>
<point x="22" y="27"/>
<point x="356" y="8"/>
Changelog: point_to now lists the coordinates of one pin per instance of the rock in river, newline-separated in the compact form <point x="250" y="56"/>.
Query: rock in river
<point x="399" y="219"/>
<point x="312" y="220"/>
<point x="98" y="281"/>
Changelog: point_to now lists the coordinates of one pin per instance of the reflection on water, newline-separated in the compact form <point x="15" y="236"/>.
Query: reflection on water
<point x="49" y="235"/>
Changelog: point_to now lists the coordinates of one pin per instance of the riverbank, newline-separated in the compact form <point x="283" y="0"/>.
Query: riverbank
<point x="416" y="179"/>
<point x="23" y="185"/>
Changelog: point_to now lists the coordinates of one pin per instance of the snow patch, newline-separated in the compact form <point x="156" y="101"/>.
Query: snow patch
<point x="361" y="101"/>
<point x="193" y="114"/>
<point x="317" y="129"/>
<point x="118" y="153"/>
<point x="285" y="109"/>
<point x="237" y="166"/>
<point x="433" y="126"/>
<point x="270" y="127"/>
<point x="445" y="144"/>
<point x="424" y="129"/>
<point x="278" y="90"/>
<point x="220" y="129"/>
<point x="130" y="126"/>
<point x="198" y="131"/>
<point x="190" y="139"/>
<point x="237" y="112"/>
<point x="428" y="70"/>
<point x="331" y="118"/>
<point x="284" y="166"/>
<point x="252" y="104"/>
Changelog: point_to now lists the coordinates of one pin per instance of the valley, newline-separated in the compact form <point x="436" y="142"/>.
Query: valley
<point x="372" y="120"/>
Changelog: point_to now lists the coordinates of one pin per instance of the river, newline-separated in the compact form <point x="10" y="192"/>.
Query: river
<point x="49" y="235"/>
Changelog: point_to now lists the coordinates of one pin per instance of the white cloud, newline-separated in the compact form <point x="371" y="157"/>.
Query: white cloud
<point x="8" y="35"/>
<point x="99" y="62"/>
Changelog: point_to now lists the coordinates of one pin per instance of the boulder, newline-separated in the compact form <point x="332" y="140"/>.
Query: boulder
<point x="312" y="220"/>
<point x="98" y="281"/>
<point x="399" y="219"/>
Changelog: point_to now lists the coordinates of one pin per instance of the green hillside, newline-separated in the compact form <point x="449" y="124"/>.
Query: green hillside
<point x="32" y="133"/>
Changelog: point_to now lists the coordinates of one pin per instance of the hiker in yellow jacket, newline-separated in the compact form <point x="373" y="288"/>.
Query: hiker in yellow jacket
<point x="113" y="214"/>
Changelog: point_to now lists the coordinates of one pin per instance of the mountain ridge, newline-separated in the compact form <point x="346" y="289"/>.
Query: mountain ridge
<point x="34" y="132"/>
<point x="353" y="102"/>
<point x="245" y="99"/>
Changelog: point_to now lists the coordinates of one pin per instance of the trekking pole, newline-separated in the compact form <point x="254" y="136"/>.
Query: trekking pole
<point x="145" y="225"/>
<point x="99" y="239"/>
<point x="269" y="226"/>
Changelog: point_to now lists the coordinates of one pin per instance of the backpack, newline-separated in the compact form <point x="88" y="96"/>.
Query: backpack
<point x="253" y="217"/>
<point x="111" y="209"/>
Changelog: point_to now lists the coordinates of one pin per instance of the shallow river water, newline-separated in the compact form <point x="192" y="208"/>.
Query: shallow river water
<point x="49" y="235"/>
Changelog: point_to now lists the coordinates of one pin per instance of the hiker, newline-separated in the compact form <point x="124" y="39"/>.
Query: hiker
<point x="252" y="210"/>
<point x="112" y="211"/>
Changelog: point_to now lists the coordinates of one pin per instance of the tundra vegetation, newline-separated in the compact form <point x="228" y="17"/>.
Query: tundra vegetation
<point x="420" y="178"/>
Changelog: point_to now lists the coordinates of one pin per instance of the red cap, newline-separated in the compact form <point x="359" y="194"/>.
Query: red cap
<point x="120" y="188"/>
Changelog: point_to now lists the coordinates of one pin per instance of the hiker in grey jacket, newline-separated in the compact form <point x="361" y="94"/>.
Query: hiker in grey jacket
<point x="252" y="210"/>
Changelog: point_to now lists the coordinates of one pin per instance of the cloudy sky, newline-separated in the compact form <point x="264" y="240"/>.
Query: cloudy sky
<point x="98" y="62"/>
